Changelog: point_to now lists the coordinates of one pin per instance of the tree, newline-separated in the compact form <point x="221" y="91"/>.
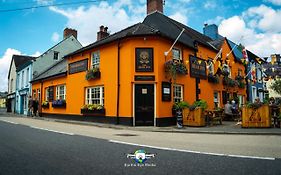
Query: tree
<point x="276" y="86"/>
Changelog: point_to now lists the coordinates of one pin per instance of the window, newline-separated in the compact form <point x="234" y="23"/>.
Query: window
<point x="259" y="75"/>
<point x="38" y="94"/>
<point x="22" y="79"/>
<point x="24" y="102"/>
<point x="239" y="72"/>
<point x="56" y="55"/>
<point x="34" y="93"/>
<point x="95" y="95"/>
<point x="27" y="77"/>
<point x="46" y="94"/>
<point x="261" y="94"/>
<point x="60" y="91"/>
<point x="254" y="94"/>
<point x="176" y="54"/>
<point x="96" y="59"/>
<point x="216" y="99"/>
<point x="241" y="100"/>
<point x="178" y="93"/>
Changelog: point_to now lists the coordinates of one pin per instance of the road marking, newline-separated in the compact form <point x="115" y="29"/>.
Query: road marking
<point x="60" y="132"/>
<point x="190" y="151"/>
<point x="9" y="122"/>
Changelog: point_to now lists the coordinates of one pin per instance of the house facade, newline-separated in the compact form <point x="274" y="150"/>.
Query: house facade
<point x="126" y="75"/>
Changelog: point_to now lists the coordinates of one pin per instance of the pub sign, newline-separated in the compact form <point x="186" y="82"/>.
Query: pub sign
<point x="78" y="66"/>
<point x="197" y="67"/>
<point x="144" y="60"/>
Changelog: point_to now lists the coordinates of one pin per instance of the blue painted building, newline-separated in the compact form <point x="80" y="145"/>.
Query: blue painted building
<point x="23" y="86"/>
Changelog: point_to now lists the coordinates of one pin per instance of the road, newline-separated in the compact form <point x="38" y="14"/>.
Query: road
<point x="39" y="147"/>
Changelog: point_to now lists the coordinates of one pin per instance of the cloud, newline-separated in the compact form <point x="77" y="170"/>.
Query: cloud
<point x="116" y="17"/>
<point x="36" y="54"/>
<point x="275" y="2"/>
<point x="179" y="17"/>
<point x="55" y="37"/>
<point x="44" y="2"/>
<point x="258" y="27"/>
<point x="210" y="5"/>
<point x="5" y="61"/>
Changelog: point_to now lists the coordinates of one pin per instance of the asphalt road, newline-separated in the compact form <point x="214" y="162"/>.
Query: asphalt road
<point x="26" y="150"/>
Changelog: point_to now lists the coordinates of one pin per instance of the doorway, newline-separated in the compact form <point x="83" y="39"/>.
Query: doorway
<point x="144" y="105"/>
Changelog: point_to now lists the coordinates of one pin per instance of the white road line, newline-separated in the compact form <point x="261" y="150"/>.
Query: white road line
<point x="195" y="152"/>
<point x="60" y="132"/>
<point x="9" y="122"/>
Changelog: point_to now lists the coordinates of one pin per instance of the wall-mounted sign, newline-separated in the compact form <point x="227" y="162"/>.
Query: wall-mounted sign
<point x="166" y="91"/>
<point x="144" y="78"/>
<point x="197" y="67"/>
<point x="144" y="60"/>
<point x="78" y="66"/>
<point x="51" y="93"/>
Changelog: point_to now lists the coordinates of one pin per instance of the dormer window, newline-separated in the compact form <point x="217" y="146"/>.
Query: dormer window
<point x="176" y="54"/>
<point x="56" y="56"/>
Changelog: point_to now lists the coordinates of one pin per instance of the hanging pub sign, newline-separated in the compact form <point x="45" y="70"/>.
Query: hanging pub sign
<point x="166" y="91"/>
<point x="197" y="67"/>
<point x="78" y="66"/>
<point x="144" y="60"/>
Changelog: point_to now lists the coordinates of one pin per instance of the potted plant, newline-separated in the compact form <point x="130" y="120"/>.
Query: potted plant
<point x="93" y="73"/>
<point x="240" y="81"/>
<point x="213" y="79"/>
<point x="92" y="109"/>
<point x="194" y="116"/>
<point x="178" y="108"/>
<point x="59" y="104"/>
<point x="229" y="82"/>
<point x="45" y="104"/>
<point x="174" y="68"/>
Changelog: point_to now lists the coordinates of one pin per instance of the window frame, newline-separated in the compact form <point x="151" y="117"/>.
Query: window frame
<point x="95" y="64"/>
<point x="56" y="55"/>
<point x="175" y="97"/>
<point x="47" y="94"/>
<point x="89" y="92"/>
<point x="218" y="99"/>
<point x="58" y="94"/>
<point x="180" y="54"/>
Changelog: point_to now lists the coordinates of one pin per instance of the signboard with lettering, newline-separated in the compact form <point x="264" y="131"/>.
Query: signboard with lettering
<point x="197" y="67"/>
<point x="78" y="66"/>
<point x="166" y="91"/>
<point x="144" y="78"/>
<point x="144" y="60"/>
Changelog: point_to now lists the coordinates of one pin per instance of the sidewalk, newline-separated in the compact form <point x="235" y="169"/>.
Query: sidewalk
<point x="226" y="128"/>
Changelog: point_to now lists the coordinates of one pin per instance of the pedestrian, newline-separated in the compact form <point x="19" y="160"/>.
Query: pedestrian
<point x="227" y="110"/>
<point x="35" y="107"/>
<point x="30" y="104"/>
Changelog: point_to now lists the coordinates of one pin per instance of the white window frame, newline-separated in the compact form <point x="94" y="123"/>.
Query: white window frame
<point x="254" y="93"/>
<point x="177" y="96"/>
<point x="95" y="61"/>
<point x="47" y="94"/>
<point x="22" y="79"/>
<point x="39" y="94"/>
<point x="180" y="54"/>
<point x="56" y="59"/>
<point x="89" y="93"/>
<point x="260" y="94"/>
<point x="27" y="77"/>
<point x="259" y="75"/>
<point x="218" y="98"/>
<point x="59" y="94"/>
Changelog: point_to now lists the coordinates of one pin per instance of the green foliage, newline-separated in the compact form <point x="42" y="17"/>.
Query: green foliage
<point x="180" y="105"/>
<point x="201" y="103"/>
<point x="174" y="68"/>
<point x="92" y="73"/>
<point x="276" y="86"/>
<point x="93" y="107"/>
<point x="253" y="105"/>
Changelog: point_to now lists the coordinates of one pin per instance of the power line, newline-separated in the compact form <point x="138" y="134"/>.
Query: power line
<point x="49" y="5"/>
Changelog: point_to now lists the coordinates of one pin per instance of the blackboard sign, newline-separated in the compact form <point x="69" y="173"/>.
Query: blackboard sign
<point x="166" y="91"/>
<point x="144" y="60"/>
<point x="197" y="67"/>
<point x="78" y="66"/>
<point x="51" y="93"/>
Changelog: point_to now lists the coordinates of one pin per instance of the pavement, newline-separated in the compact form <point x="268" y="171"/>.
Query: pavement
<point x="228" y="127"/>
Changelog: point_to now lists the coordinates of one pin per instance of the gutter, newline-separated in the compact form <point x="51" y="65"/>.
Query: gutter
<point x="118" y="83"/>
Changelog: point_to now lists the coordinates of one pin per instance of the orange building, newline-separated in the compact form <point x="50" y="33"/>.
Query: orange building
<point x="124" y="78"/>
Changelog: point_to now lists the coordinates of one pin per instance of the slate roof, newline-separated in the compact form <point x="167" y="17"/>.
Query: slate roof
<point x="57" y="69"/>
<point x="155" y="24"/>
<point x="22" y="59"/>
<point x="217" y="43"/>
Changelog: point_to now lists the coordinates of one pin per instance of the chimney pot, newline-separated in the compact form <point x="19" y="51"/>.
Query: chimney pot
<point x="154" y="5"/>
<point x="68" y="32"/>
<point x="101" y="28"/>
<point x="102" y="33"/>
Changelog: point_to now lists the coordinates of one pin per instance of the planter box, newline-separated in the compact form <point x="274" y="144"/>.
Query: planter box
<point x="59" y="105"/>
<point x="256" y="118"/>
<point x="45" y="106"/>
<point x="94" y="75"/>
<point x="93" y="112"/>
<point x="194" y="118"/>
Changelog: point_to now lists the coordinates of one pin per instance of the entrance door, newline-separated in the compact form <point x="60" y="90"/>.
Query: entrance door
<point x="21" y="104"/>
<point x="144" y="104"/>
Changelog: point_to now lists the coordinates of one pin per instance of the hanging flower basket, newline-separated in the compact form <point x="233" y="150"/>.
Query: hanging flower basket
<point x="59" y="104"/>
<point x="213" y="79"/>
<point x="229" y="82"/>
<point x="175" y="68"/>
<point x="93" y="74"/>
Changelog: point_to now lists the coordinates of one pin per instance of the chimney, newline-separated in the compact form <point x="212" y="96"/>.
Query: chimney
<point x="154" y="5"/>
<point x="68" y="32"/>
<point x="211" y="31"/>
<point x="102" y="33"/>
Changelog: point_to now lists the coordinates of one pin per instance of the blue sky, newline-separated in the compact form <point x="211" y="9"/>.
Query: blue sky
<point x="32" y="32"/>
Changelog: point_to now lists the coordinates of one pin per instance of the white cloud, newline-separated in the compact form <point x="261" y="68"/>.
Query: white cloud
<point x="179" y="17"/>
<point x="275" y="2"/>
<point x="55" y="37"/>
<point x="217" y="20"/>
<point x="210" y="5"/>
<point x="36" y="54"/>
<point x="259" y="27"/>
<point x="44" y="2"/>
<point x="5" y="61"/>
<point x="116" y="17"/>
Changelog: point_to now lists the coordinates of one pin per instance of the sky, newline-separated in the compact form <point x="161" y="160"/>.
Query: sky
<point x="253" y="23"/>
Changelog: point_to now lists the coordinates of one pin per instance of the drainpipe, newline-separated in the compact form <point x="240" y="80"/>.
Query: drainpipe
<point x="40" y="101"/>
<point x="118" y="83"/>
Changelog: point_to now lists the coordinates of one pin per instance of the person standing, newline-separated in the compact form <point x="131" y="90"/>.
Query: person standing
<point x="30" y="105"/>
<point x="35" y="107"/>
